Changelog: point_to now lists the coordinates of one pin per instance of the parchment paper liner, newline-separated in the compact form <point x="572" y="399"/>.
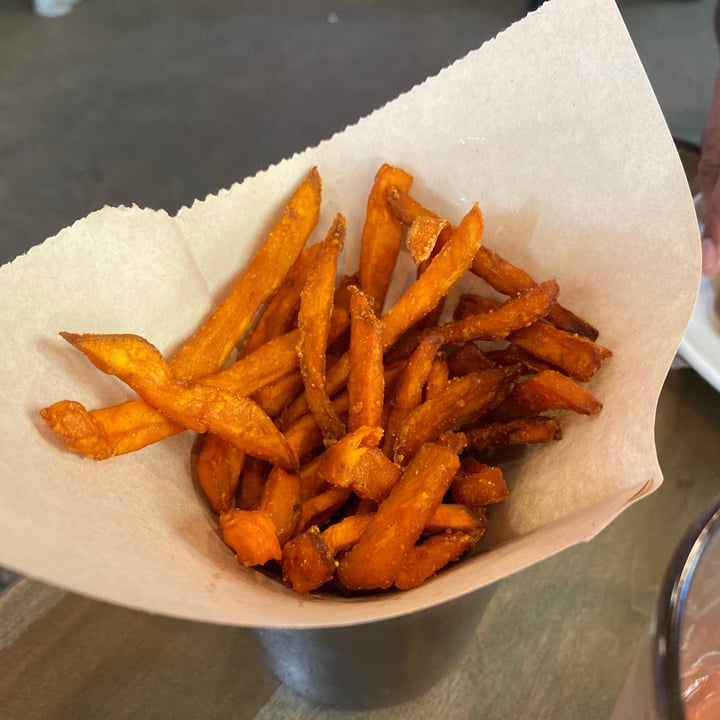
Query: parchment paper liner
<point x="554" y="129"/>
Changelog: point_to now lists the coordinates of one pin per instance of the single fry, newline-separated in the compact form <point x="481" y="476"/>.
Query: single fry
<point x="366" y="374"/>
<point x="374" y="475"/>
<point x="381" y="236"/>
<point x="307" y="564"/>
<point x="316" y="305"/>
<point x="218" y="467"/>
<point x="251" y="534"/>
<point x="576" y="356"/>
<point x="281" y="501"/>
<point x="318" y="510"/>
<point x="438" y="377"/>
<point x="468" y="358"/>
<point x="426" y="559"/>
<point x="374" y="562"/>
<point x="548" y="390"/>
<point x="478" y="485"/>
<point x="530" y="430"/>
<point x="237" y="419"/>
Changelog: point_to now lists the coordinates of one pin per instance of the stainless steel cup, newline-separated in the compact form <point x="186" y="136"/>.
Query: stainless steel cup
<point x="375" y="664"/>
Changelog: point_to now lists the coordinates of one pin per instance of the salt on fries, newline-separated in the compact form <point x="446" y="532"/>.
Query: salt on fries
<point x="349" y="442"/>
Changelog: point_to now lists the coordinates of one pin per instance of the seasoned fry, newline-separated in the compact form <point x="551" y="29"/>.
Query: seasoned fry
<point x="374" y="475"/>
<point x="548" y="390"/>
<point x="251" y="534"/>
<point x="381" y="236"/>
<point x="281" y="501"/>
<point x="316" y="305"/>
<point x="426" y="559"/>
<point x="218" y="466"/>
<point x="464" y="400"/>
<point x="319" y="509"/>
<point x="307" y="564"/>
<point x="375" y="560"/>
<point x="438" y="377"/>
<point x="237" y="419"/>
<point x="366" y="378"/>
<point x="576" y="356"/>
<point x="468" y="358"/>
<point x="478" y="485"/>
<point x="528" y="430"/>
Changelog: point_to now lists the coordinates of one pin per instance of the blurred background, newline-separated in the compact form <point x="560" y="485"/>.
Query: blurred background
<point x="160" y="102"/>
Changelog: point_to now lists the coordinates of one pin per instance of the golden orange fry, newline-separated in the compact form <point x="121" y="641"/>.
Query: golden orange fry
<point x="281" y="501"/>
<point x="422" y="236"/>
<point x="427" y="558"/>
<point x="366" y="378"/>
<point x="575" y="355"/>
<point x="381" y="236"/>
<point x="548" y="390"/>
<point x="307" y="564"/>
<point x="478" y="485"/>
<point x="316" y="305"/>
<point x="409" y="390"/>
<point x="528" y="430"/>
<point x="251" y="534"/>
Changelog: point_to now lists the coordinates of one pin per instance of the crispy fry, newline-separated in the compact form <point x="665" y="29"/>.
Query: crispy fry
<point x="548" y="390"/>
<point x="281" y="501"/>
<point x="251" y="534"/>
<point x="342" y="535"/>
<point x="237" y="419"/>
<point x="366" y="378"/>
<point x="218" y="466"/>
<point x="576" y="356"/>
<point x="426" y="559"/>
<point x="375" y="560"/>
<point x="523" y="431"/>
<point x="464" y="400"/>
<point x="316" y="304"/>
<point x="478" y="485"/>
<point x="381" y="236"/>
<point x="307" y="564"/>
<point x="374" y="475"/>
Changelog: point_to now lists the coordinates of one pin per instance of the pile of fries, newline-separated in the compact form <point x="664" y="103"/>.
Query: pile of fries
<point x="343" y="440"/>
